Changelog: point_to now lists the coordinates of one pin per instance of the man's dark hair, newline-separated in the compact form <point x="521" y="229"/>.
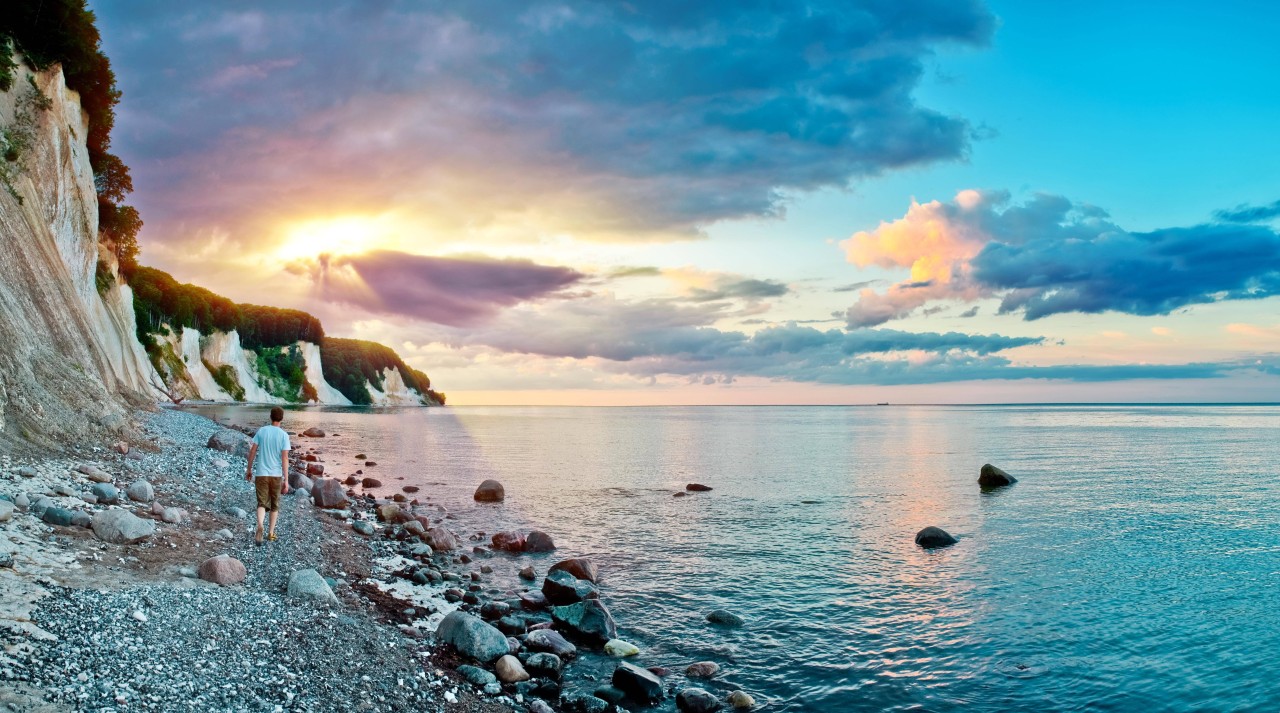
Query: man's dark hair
<point x="277" y="414"/>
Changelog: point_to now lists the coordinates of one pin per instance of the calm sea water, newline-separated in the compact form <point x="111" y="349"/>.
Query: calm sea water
<point x="1135" y="566"/>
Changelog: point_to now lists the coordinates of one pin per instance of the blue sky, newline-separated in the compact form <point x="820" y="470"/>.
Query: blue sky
<point x="560" y="202"/>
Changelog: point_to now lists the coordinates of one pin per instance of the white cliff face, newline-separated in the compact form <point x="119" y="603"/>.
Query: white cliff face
<point x="69" y="361"/>
<point x="315" y="376"/>
<point x="394" y="391"/>
<point x="223" y="349"/>
<point x="189" y="351"/>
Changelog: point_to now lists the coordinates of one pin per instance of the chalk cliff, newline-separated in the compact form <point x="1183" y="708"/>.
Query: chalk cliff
<point x="70" y="364"/>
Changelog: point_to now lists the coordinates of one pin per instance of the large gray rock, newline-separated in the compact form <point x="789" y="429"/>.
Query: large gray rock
<point x="490" y="491"/>
<point x="229" y="441"/>
<point x="328" y="493"/>
<point x="308" y="584"/>
<point x="57" y="516"/>
<point x="580" y="567"/>
<point x="140" y="491"/>
<point x="538" y="541"/>
<point x="551" y="642"/>
<point x="544" y="664"/>
<point x="223" y="569"/>
<point x="300" y="481"/>
<point x="724" y="618"/>
<point x="562" y="588"/>
<point x="121" y="527"/>
<point x="106" y="493"/>
<point x="992" y="477"/>
<point x="6" y="510"/>
<point x="932" y="537"/>
<point x="472" y="637"/>
<point x="440" y="539"/>
<point x="588" y="619"/>
<point x="637" y="683"/>
<point x="476" y="675"/>
<point x="696" y="700"/>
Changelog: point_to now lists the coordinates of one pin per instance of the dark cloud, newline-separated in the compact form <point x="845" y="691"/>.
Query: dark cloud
<point x="667" y="115"/>
<point x="452" y="291"/>
<point x="971" y="312"/>
<point x="1244" y="213"/>
<point x="1050" y="256"/>
<point x="744" y="288"/>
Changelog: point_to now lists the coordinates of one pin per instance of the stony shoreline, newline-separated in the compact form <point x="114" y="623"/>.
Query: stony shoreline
<point x="367" y="604"/>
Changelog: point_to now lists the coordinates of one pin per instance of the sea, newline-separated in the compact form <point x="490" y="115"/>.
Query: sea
<point x="1134" y="566"/>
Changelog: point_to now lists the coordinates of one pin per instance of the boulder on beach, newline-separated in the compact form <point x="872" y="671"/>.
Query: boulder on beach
<point x="440" y="539"/>
<point x="392" y="513"/>
<point x="328" y="493"/>
<point x="580" y="567"/>
<point x="550" y="641"/>
<point x="696" y="700"/>
<point x="223" y="570"/>
<point x="509" y="541"/>
<point x="370" y="483"/>
<point x="992" y="477"/>
<point x="121" y="527"/>
<point x="93" y="472"/>
<point x="528" y="572"/>
<point x="106" y="493"/>
<point x="140" y="491"/>
<point x="315" y="469"/>
<point x="61" y="517"/>
<point x="298" y="481"/>
<point x="533" y="600"/>
<point x="363" y="527"/>
<point x="931" y="537"/>
<point x="637" y="683"/>
<point x="539" y="541"/>
<point x="472" y="637"/>
<point x="544" y="665"/>
<point x="490" y="491"/>
<point x="589" y="619"/>
<point x="229" y="441"/>
<point x="6" y="510"/>
<point x="697" y="488"/>
<point x="476" y="676"/>
<point x="509" y="670"/>
<point x="313" y="432"/>
<point x="309" y="585"/>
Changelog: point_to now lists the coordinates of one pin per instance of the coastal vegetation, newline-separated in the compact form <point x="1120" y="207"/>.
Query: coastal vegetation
<point x="349" y="363"/>
<point x="64" y="32"/>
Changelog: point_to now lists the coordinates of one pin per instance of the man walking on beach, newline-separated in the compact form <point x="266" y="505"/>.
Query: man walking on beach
<point x="268" y="466"/>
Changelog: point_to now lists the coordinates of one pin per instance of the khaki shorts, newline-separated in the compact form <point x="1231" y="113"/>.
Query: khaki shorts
<point x="268" y="492"/>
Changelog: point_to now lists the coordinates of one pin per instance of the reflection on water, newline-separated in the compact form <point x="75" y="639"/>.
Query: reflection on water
<point x="1133" y="566"/>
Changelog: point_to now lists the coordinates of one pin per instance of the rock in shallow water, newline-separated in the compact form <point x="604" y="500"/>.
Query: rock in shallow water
<point x="992" y="477"/>
<point x="490" y="491"/>
<point x="932" y="537"/>
<point x="697" y="488"/>
<point x="724" y="618"/>
<point x="741" y="700"/>
<point x="588" y="619"/>
<point x="637" y="683"/>
<point x="539" y="541"/>
<point x="472" y="637"/>
<point x="702" y="669"/>
<point x="121" y="527"/>
<point x="580" y="567"/>
<point x="620" y="648"/>
<point x="550" y="642"/>
<point x="544" y="664"/>
<point x="696" y="700"/>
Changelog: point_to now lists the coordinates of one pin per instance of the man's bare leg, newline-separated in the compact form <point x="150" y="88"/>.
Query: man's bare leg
<point x="257" y="534"/>
<point x="272" y="530"/>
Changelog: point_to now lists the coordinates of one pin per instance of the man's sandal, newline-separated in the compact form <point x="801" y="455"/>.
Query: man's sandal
<point x="272" y="537"/>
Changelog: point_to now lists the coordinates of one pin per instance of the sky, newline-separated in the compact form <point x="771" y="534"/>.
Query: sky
<point x="906" y="201"/>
